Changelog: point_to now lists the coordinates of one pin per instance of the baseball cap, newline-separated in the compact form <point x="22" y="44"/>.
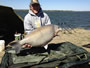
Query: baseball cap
<point x="34" y="2"/>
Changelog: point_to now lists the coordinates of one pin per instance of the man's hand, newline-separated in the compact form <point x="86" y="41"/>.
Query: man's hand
<point x="27" y="45"/>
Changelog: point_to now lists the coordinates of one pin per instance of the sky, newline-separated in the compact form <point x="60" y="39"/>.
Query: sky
<point x="75" y="5"/>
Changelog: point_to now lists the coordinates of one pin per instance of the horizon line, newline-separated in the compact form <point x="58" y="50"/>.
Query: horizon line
<point x="59" y="10"/>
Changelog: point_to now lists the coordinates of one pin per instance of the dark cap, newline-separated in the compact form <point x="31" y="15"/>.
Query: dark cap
<point x="34" y="2"/>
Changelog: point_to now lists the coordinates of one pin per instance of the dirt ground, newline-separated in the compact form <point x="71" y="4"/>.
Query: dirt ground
<point x="76" y="36"/>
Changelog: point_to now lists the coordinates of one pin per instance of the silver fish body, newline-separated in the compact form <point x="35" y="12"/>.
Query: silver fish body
<point x="39" y="37"/>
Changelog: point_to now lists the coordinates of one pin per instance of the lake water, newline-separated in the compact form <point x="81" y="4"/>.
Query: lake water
<point x="65" y="19"/>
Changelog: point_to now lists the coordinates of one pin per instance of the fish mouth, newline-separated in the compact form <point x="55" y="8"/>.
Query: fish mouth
<point x="57" y="35"/>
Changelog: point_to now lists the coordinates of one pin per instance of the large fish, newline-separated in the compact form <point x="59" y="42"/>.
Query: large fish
<point x="39" y="37"/>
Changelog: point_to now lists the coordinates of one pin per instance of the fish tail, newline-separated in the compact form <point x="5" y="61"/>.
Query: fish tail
<point x="16" y="46"/>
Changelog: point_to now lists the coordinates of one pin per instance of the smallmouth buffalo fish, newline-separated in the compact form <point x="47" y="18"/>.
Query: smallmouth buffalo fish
<point x="39" y="37"/>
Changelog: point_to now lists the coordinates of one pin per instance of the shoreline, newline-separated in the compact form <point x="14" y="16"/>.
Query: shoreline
<point x="77" y="36"/>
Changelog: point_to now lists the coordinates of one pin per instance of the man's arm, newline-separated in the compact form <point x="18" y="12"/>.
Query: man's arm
<point x="48" y="21"/>
<point x="27" y="26"/>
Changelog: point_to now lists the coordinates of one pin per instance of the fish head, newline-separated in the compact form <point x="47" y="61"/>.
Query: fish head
<point x="57" y="29"/>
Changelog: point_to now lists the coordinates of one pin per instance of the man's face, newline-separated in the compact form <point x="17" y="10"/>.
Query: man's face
<point x="35" y="8"/>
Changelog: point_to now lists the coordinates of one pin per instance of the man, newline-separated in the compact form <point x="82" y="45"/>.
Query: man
<point x="35" y="18"/>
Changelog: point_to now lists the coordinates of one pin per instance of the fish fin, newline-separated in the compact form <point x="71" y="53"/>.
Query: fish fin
<point x="46" y="46"/>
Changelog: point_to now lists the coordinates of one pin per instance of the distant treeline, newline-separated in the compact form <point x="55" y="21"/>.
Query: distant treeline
<point x="53" y="10"/>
